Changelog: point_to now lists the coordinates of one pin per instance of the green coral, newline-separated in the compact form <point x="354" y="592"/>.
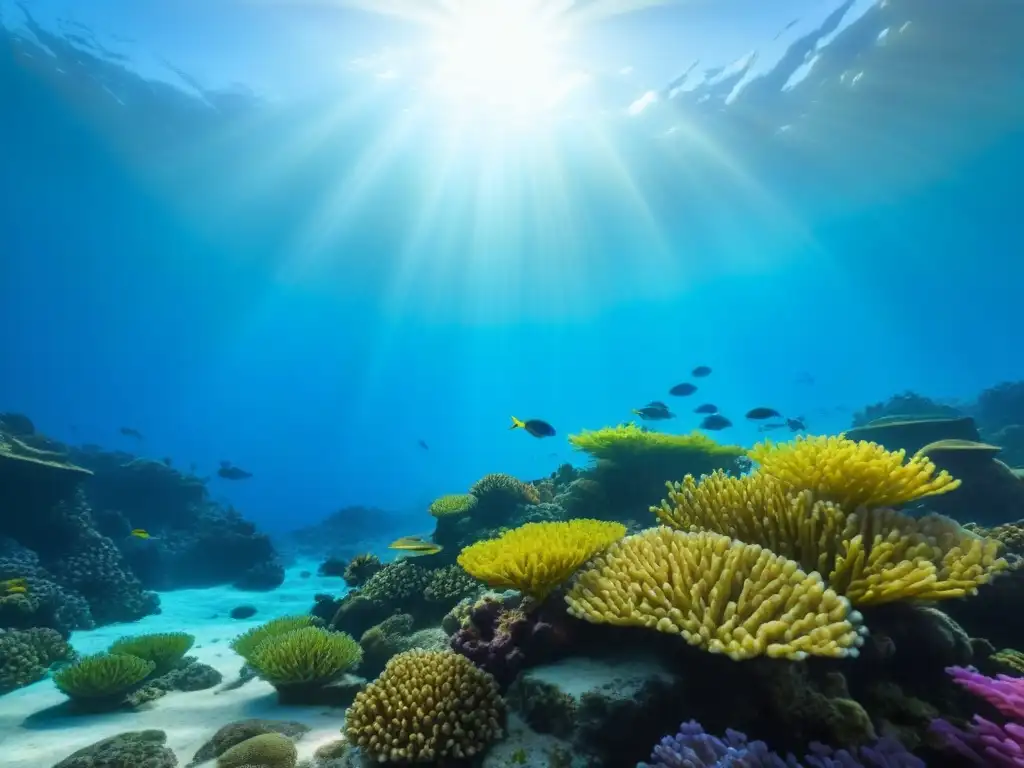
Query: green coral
<point x="102" y="679"/>
<point x="628" y="443"/>
<point x="247" y="642"/>
<point x="449" y="585"/>
<point x="397" y="582"/>
<point x="268" y="750"/>
<point x="499" y="487"/>
<point x="310" y="656"/>
<point x="164" y="649"/>
<point x="361" y="568"/>
<point x="453" y="504"/>
<point x="26" y="655"/>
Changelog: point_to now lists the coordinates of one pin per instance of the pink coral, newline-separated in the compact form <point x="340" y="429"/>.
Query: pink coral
<point x="988" y="743"/>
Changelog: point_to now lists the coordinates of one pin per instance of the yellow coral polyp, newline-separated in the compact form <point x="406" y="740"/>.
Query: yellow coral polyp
<point x="453" y="504"/>
<point x="426" y="707"/>
<point x="851" y="473"/>
<point x="538" y="557"/>
<point x="717" y="593"/>
<point x="871" y="556"/>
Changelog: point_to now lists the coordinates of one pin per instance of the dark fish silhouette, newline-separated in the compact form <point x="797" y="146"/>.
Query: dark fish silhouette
<point x="701" y="371"/>
<point x="797" y="424"/>
<point x="129" y="432"/>
<point x="682" y="390"/>
<point x="656" y="404"/>
<point x="229" y="472"/>
<point x="763" y="413"/>
<point x="706" y="408"/>
<point x="422" y="444"/>
<point x="653" y="413"/>
<point x="535" y="427"/>
<point x="715" y="422"/>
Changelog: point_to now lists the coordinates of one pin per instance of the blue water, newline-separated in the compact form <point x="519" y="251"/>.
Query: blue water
<point x="220" y="231"/>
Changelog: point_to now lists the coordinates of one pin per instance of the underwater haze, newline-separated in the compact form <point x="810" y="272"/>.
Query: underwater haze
<point x="282" y="281"/>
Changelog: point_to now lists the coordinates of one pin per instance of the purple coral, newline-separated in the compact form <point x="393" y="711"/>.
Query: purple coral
<point x="693" y="748"/>
<point x="502" y="640"/>
<point x="988" y="743"/>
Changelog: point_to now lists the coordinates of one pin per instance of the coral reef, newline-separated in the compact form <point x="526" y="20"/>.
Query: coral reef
<point x="235" y="733"/>
<point x="163" y="650"/>
<point x="245" y="644"/>
<point x="360" y="569"/>
<point x="426" y="706"/>
<point x="133" y="748"/>
<point x="721" y="594"/>
<point x="27" y="655"/>
<point x="454" y="504"/>
<point x="536" y="558"/>
<point x="985" y="742"/>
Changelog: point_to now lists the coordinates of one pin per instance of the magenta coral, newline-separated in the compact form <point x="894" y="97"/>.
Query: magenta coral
<point x="988" y="743"/>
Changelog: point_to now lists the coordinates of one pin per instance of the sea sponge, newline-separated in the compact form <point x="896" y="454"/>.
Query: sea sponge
<point x="397" y="582"/>
<point x="453" y="504"/>
<point x="722" y="595"/>
<point x="268" y="750"/>
<point x="309" y="656"/>
<point x="361" y="568"/>
<point x="164" y="649"/>
<point x="247" y="642"/>
<point x="628" y="442"/>
<point x="103" y="678"/>
<point x="537" y="557"/>
<point x="427" y="706"/>
<point x="850" y="473"/>
<point x="499" y="487"/>
<point x="870" y="556"/>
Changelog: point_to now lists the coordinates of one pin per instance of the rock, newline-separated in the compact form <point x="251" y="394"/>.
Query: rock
<point x="912" y="434"/>
<point x="611" y="708"/>
<point x="242" y="730"/>
<point x="126" y="750"/>
<point x="243" y="611"/>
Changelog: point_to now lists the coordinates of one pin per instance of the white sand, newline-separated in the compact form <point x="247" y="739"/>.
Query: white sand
<point x="31" y="740"/>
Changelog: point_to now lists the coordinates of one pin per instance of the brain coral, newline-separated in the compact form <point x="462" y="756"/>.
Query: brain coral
<point x="427" y="706"/>
<point x="722" y="595"/>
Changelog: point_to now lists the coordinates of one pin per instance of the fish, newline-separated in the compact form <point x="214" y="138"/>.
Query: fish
<point x="16" y="586"/>
<point x="415" y="545"/>
<point x="130" y="432"/>
<point x="657" y="404"/>
<point x="700" y="371"/>
<point x="797" y="424"/>
<point x="140" y="533"/>
<point x="763" y="413"/>
<point x="706" y="408"/>
<point x="650" y="413"/>
<point x="229" y="472"/>
<point x="715" y="422"/>
<point x="769" y="427"/>
<point x="682" y="390"/>
<point x="535" y="427"/>
<point x="422" y="444"/>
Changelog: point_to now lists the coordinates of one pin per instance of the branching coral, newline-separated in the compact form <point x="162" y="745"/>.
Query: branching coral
<point x="102" y="680"/>
<point x="361" y="568"/>
<point x="851" y="473"/>
<point x="453" y="504"/>
<point x="871" y="556"/>
<point x="722" y="595"/>
<point x="427" y="706"/>
<point x="164" y="649"/>
<point x="537" y="557"/>
<point x="309" y="656"/>
<point x="247" y="642"/>
<point x="498" y="487"/>
<point x="987" y="743"/>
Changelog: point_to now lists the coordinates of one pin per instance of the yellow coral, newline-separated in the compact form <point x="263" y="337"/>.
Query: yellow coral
<point x="537" y="557"/>
<point x="427" y="706"/>
<point x="1011" y="658"/>
<point x="722" y="595"/>
<point x="453" y="504"/>
<point x="851" y="473"/>
<point x="629" y="442"/>
<point x="871" y="556"/>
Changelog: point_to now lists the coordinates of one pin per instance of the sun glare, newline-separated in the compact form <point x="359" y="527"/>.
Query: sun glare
<point x="503" y="56"/>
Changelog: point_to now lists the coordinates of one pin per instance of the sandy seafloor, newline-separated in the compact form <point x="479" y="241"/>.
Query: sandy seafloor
<point x="30" y="737"/>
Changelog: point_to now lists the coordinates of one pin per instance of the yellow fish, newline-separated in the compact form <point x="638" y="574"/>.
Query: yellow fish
<point x="415" y="545"/>
<point x="14" y="586"/>
<point x="140" y="533"/>
<point x="16" y="590"/>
